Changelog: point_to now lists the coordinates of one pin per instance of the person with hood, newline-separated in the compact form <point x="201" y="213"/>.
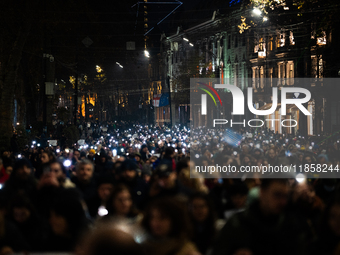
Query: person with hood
<point x="103" y="165"/>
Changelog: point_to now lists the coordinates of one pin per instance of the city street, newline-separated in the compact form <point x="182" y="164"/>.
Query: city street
<point x="170" y="128"/>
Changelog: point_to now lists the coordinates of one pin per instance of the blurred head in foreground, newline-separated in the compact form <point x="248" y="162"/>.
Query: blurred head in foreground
<point x="109" y="241"/>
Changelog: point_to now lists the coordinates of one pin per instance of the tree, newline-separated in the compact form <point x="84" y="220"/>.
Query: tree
<point x="14" y="31"/>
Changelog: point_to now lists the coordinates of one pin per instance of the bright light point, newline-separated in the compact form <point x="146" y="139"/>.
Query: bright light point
<point x="185" y="39"/>
<point x="197" y="156"/>
<point x="257" y="11"/>
<point x="99" y="69"/>
<point x="147" y="54"/>
<point x="102" y="211"/>
<point x="67" y="163"/>
<point x="300" y="178"/>
<point x="265" y="19"/>
<point x="18" y="123"/>
<point x="286" y="8"/>
<point x="191" y="44"/>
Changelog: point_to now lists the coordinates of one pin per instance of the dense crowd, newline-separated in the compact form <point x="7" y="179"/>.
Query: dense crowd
<point x="126" y="189"/>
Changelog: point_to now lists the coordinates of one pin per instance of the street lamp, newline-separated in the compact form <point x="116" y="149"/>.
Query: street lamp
<point x="185" y="39"/>
<point x="146" y="53"/>
<point x="257" y="11"/>
<point x="119" y="64"/>
<point x="99" y="69"/>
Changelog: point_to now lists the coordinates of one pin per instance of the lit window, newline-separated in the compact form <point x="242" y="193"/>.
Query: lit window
<point x="281" y="40"/>
<point x="291" y="38"/>
<point x="322" y="40"/>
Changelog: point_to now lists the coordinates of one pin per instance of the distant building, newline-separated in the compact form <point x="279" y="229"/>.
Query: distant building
<point x="278" y="53"/>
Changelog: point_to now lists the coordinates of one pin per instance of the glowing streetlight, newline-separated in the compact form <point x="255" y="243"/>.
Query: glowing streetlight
<point x="257" y="11"/>
<point x="146" y="53"/>
<point x="265" y="19"/>
<point x="185" y="39"/>
<point x="99" y="69"/>
<point x="191" y="44"/>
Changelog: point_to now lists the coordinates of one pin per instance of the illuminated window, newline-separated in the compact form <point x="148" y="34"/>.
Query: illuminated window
<point x="262" y="49"/>
<point x="270" y="44"/>
<point x="261" y="77"/>
<point x="290" y="69"/>
<point x="281" y="40"/>
<point x="291" y="38"/>
<point x="321" y="40"/>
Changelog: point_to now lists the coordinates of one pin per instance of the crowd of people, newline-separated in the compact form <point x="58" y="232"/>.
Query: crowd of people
<point x="127" y="190"/>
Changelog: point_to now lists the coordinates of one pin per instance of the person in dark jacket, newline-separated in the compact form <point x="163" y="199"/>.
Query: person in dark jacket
<point x="25" y="217"/>
<point x="203" y="220"/>
<point x="265" y="227"/>
<point x="85" y="180"/>
<point x="105" y="186"/>
<point x="68" y="223"/>
<point x="103" y="165"/>
<point x="165" y="183"/>
<point x="11" y="240"/>
<point x="328" y="240"/>
<point x="21" y="181"/>
<point x="130" y="177"/>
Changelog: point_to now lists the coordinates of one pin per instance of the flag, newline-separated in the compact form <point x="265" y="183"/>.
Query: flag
<point x="156" y="99"/>
<point x="164" y="101"/>
<point x="232" y="138"/>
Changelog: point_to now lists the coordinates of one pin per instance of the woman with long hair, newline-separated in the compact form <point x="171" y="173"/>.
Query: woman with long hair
<point x="203" y="219"/>
<point x="120" y="204"/>
<point x="167" y="224"/>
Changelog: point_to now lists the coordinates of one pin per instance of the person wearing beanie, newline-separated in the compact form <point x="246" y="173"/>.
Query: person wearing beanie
<point x="92" y="155"/>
